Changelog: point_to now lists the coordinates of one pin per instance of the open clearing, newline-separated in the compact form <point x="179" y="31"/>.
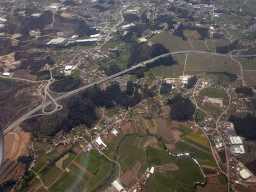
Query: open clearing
<point x="171" y="42"/>
<point x="211" y="63"/>
<point x="213" y="93"/>
<point x="250" y="78"/>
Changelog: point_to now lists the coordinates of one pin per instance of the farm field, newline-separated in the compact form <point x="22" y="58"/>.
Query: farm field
<point x="202" y="157"/>
<point x="213" y="43"/>
<point x="213" y="185"/>
<point x="170" y="71"/>
<point x="198" y="44"/>
<point x="250" y="78"/>
<point x="247" y="64"/>
<point x="197" y="144"/>
<point x="167" y="71"/>
<point x="171" y="42"/>
<point x="191" y="34"/>
<point x="198" y="138"/>
<point x="211" y="63"/>
<point x="213" y="93"/>
<point x="79" y="177"/>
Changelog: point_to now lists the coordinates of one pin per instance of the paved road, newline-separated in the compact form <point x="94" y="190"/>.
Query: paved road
<point x="108" y="78"/>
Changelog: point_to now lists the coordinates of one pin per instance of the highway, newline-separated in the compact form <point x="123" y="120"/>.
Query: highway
<point x="142" y="64"/>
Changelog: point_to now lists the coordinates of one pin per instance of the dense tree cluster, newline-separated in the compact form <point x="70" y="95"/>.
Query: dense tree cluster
<point x="182" y="109"/>
<point x="142" y="52"/>
<point x="191" y="82"/>
<point x="227" y="48"/>
<point x="165" y="88"/>
<point x="245" y="90"/>
<point x="35" y="65"/>
<point x="245" y="126"/>
<point x="113" y="96"/>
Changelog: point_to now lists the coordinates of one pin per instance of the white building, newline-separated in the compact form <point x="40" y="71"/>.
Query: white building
<point x="115" y="132"/>
<point x="152" y="170"/>
<point x="2" y="20"/>
<point x="36" y="15"/>
<point x="100" y="142"/>
<point x="7" y="74"/>
<point x="182" y="79"/>
<point x="245" y="174"/>
<point x="235" y="140"/>
<point x="95" y="36"/>
<point x="117" y="185"/>
<point x="142" y="40"/>
<point x="127" y="26"/>
<point x="57" y="41"/>
<point x="239" y="150"/>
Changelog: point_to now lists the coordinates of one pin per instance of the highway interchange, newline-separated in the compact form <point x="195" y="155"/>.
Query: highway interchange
<point x="68" y="94"/>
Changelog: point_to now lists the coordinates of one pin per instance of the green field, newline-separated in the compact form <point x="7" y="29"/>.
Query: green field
<point x="197" y="144"/>
<point x="213" y="93"/>
<point x="250" y="78"/>
<point x="199" y="115"/>
<point x="198" y="44"/>
<point x="76" y="180"/>
<point x="89" y="160"/>
<point x="167" y="71"/>
<point x="213" y="43"/>
<point x="197" y="63"/>
<point x="247" y="64"/>
<point x="202" y="157"/>
<point x="68" y="160"/>
<point x="128" y="154"/>
<point x="171" y="42"/>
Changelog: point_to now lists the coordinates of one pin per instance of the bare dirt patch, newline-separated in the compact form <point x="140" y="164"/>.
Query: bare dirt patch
<point x="176" y="135"/>
<point x="66" y="15"/>
<point x="163" y="129"/>
<point x="195" y="129"/>
<point x="170" y="147"/>
<point x="136" y="167"/>
<point x="128" y="177"/>
<point x="152" y="142"/>
<point x="127" y="126"/>
<point x="167" y="167"/>
<point x="76" y="149"/>
<point x="16" y="145"/>
<point x="151" y="129"/>
<point x="176" y="124"/>
<point x="166" y="111"/>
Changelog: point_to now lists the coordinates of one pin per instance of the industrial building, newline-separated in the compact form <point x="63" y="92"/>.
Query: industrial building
<point x="2" y="20"/>
<point x="237" y="147"/>
<point x="57" y="41"/>
<point x="245" y="174"/>
<point x="182" y="79"/>
<point x="235" y="140"/>
<point x="127" y="26"/>
<point x="100" y="142"/>
<point x="118" y="186"/>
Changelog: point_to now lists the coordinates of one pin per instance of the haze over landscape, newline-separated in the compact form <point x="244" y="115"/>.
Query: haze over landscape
<point x="122" y="95"/>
